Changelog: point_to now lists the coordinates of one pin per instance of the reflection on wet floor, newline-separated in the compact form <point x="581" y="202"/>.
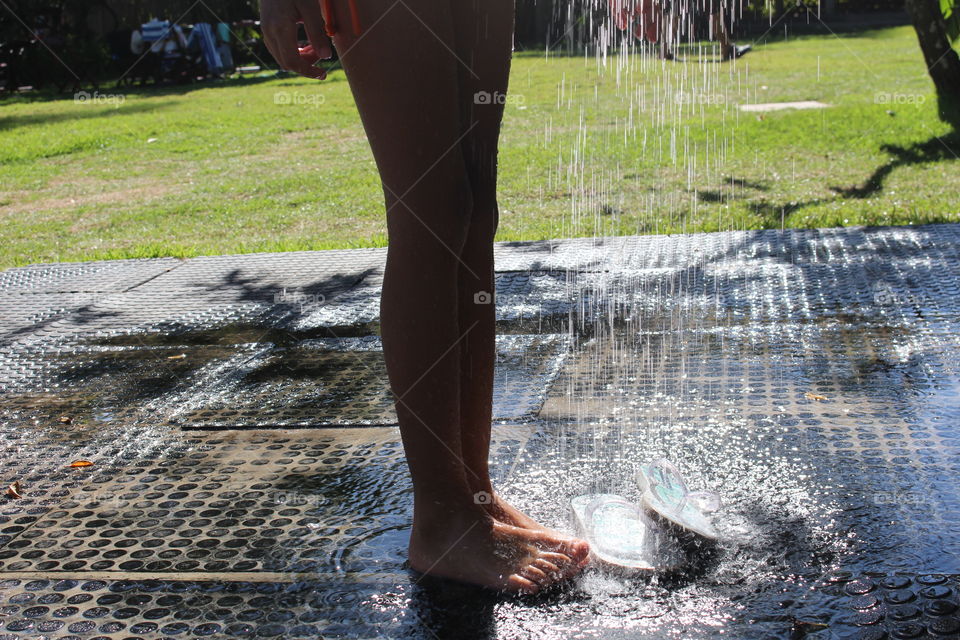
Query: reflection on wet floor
<point x="247" y="479"/>
<point x="303" y="383"/>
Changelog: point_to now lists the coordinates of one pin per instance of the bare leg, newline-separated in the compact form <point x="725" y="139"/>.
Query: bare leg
<point x="484" y="36"/>
<point x="669" y="31"/>
<point x="719" y="29"/>
<point x="404" y="73"/>
<point x="483" y="31"/>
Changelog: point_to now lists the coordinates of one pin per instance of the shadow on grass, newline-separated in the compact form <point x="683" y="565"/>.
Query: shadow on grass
<point x="145" y="91"/>
<point x="31" y="119"/>
<point x="936" y="149"/>
<point x="773" y="214"/>
<point x="715" y="196"/>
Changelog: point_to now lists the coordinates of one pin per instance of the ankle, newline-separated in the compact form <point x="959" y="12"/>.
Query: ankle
<point x="481" y="490"/>
<point x="441" y="525"/>
<point x="433" y="506"/>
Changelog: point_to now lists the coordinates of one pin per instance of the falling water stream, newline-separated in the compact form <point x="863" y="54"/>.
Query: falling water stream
<point x="683" y="354"/>
<point x="822" y="409"/>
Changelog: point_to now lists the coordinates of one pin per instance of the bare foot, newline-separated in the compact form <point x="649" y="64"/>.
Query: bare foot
<point x="501" y="510"/>
<point x="472" y="547"/>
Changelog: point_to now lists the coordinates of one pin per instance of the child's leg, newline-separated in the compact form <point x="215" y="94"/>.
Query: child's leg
<point x="718" y="28"/>
<point x="669" y="26"/>
<point x="484" y="35"/>
<point x="403" y="73"/>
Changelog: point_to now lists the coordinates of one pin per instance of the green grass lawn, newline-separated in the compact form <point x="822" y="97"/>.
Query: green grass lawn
<point x="630" y="146"/>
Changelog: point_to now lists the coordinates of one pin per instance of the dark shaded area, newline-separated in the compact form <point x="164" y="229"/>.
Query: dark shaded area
<point x="942" y="60"/>
<point x="736" y="183"/>
<point x="776" y="214"/>
<point x="41" y="119"/>
<point x="96" y="386"/>
<point x="936" y="149"/>
<point x="244" y="289"/>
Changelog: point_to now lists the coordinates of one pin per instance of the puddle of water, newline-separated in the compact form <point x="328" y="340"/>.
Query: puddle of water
<point x="831" y="438"/>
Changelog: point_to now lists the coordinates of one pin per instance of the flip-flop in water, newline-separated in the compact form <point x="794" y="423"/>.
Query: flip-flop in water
<point x="622" y="536"/>
<point x="666" y="495"/>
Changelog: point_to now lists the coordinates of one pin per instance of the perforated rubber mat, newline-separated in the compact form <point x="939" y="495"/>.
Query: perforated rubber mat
<point x="308" y="383"/>
<point x="245" y="479"/>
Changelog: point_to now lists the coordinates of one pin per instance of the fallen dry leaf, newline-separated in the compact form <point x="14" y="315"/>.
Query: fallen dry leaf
<point x="66" y="419"/>
<point x="814" y="396"/>
<point x="81" y="463"/>
<point x="14" y="489"/>
<point x="177" y="357"/>
<point x="803" y="628"/>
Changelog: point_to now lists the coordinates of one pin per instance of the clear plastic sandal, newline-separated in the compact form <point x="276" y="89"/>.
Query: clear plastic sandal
<point x="622" y="536"/>
<point x="666" y="495"/>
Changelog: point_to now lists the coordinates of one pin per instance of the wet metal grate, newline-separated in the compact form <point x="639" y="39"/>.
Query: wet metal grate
<point x="278" y="504"/>
<point x="84" y="277"/>
<point x="810" y="377"/>
<point x="309" y="383"/>
<point x="343" y="382"/>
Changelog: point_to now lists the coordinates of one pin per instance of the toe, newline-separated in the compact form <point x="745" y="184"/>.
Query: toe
<point x="536" y="574"/>
<point x="564" y="565"/>
<point x="574" y="548"/>
<point x="579" y="551"/>
<point x="550" y="569"/>
<point x="519" y="584"/>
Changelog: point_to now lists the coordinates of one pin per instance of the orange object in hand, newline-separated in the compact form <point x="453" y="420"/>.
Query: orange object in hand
<point x="329" y="24"/>
<point x="330" y="21"/>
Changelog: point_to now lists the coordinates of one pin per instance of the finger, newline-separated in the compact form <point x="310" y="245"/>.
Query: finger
<point x="272" y="16"/>
<point x="280" y="35"/>
<point x="293" y="58"/>
<point x="314" y="26"/>
<point x="308" y="55"/>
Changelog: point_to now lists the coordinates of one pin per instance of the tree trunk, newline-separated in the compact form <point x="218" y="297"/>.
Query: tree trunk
<point x="942" y="60"/>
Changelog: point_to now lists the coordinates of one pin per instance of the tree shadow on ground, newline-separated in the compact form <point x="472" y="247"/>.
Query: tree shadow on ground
<point x="714" y="195"/>
<point x="140" y="91"/>
<point x="774" y="214"/>
<point x="32" y="119"/>
<point x="936" y="149"/>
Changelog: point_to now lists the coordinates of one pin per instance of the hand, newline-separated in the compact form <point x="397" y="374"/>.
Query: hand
<point x="279" y="20"/>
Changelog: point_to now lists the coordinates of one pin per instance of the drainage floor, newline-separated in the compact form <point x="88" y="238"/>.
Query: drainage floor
<point x="246" y="479"/>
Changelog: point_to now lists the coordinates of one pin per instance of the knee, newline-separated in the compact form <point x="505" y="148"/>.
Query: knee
<point x="434" y="214"/>
<point x="486" y="213"/>
<point x="484" y="221"/>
